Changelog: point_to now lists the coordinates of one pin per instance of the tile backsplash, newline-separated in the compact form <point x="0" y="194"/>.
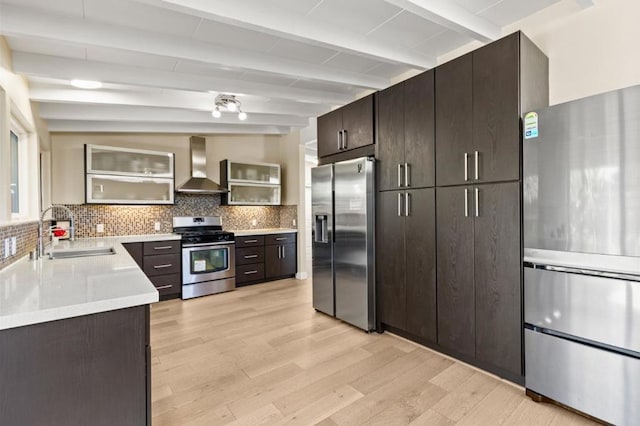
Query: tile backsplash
<point x="26" y="240"/>
<point x="135" y="220"/>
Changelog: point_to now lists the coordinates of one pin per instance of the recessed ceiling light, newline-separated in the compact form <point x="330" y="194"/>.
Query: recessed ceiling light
<point x="86" y="84"/>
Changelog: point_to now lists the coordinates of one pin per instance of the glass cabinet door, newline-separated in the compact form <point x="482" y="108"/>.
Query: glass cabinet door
<point x="123" y="161"/>
<point x="256" y="173"/>
<point x="246" y="194"/>
<point x="110" y="189"/>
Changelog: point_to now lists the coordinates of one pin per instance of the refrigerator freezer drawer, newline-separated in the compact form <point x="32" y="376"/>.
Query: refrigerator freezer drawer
<point x="600" y="309"/>
<point x="600" y="383"/>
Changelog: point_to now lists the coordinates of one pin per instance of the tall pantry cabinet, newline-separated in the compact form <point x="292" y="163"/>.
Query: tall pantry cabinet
<point x="406" y="268"/>
<point x="457" y="286"/>
<point x="480" y="98"/>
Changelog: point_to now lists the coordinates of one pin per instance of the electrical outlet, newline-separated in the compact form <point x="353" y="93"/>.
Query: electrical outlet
<point x="6" y="248"/>
<point x="294" y="223"/>
<point x="100" y="228"/>
<point x="156" y="226"/>
<point x="14" y="246"/>
<point x="254" y="222"/>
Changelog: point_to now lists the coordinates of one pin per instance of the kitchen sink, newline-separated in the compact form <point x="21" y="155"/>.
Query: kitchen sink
<point x="81" y="252"/>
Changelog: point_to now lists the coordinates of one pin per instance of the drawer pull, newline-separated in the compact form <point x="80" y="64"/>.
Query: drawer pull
<point x="282" y="238"/>
<point x="162" y="247"/>
<point x="168" y="265"/>
<point x="250" y="241"/>
<point x="251" y="256"/>
<point x="251" y="272"/>
<point x="162" y="287"/>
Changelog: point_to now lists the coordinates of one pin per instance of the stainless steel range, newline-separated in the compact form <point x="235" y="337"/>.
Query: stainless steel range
<point x="208" y="256"/>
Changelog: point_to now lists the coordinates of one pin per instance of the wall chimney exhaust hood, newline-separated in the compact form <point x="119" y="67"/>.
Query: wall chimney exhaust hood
<point x="198" y="183"/>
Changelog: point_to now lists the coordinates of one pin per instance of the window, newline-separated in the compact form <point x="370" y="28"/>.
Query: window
<point x="15" y="173"/>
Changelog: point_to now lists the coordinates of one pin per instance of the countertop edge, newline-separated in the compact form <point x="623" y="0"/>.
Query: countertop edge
<point x="72" y="311"/>
<point x="267" y="231"/>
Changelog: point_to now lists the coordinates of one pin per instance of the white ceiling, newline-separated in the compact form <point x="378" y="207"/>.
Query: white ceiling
<point x="164" y="61"/>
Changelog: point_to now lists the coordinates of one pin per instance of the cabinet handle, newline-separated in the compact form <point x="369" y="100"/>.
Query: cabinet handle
<point x="466" y="202"/>
<point x="168" y="265"/>
<point x="251" y="256"/>
<point x="399" y="175"/>
<point x="466" y="167"/>
<point x="162" y="247"/>
<point x="476" y="155"/>
<point x="162" y="287"/>
<point x="251" y="272"/>
<point x="400" y="204"/>
<point x="339" y="139"/>
<point x="250" y="241"/>
<point x="345" y="137"/>
<point x="284" y="255"/>
<point x="282" y="238"/>
<point x="477" y="202"/>
<point x="407" y="204"/>
<point x="407" y="175"/>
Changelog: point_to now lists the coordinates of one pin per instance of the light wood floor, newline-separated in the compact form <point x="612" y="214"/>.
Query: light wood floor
<point x="262" y="355"/>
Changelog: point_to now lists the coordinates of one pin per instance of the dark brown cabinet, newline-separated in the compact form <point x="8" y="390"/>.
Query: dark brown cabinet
<point x="346" y="128"/>
<point x="479" y="261"/>
<point x="161" y="263"/>
<point x="456" y="293"/>
<point x="406" y="132"/>
<point x="407" y="261"/>
<point x="262" y="258"/>
<point x="87" y="370"/>
<point x="479" y="100"/>
<point x="473" y="107"/>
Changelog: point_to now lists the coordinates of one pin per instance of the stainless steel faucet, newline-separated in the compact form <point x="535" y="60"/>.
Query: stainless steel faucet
<point x="72" y="227"/>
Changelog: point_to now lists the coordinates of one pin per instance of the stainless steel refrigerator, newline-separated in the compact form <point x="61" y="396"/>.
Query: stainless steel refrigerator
<point x="342" y="197"/>
<point x="582" y="254"/>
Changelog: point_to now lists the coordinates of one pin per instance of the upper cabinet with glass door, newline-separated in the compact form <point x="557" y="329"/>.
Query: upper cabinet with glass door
<point x="128" y="176"/>
<point x="250" y="183"/>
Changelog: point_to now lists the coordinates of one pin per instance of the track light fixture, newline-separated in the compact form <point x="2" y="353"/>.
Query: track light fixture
<point x="228" y="103"/>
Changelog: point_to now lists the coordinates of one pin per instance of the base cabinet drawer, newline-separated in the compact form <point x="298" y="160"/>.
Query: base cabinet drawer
<point x="164" y="264"/>
<point x="167" y="284"/>
<point x="247" y="273"/>
<point x="161" y="247"/>
<point x="279" y="239"/>
<point x="249" y="255"/>
<point x="249" y="241"/>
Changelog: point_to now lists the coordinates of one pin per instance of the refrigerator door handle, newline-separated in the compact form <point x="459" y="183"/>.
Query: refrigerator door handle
<point x="476" y="155"/>
<point x="466" y="167"/>
<point x="399" y="175"/>
<point x="477" y="200"/>
<point x="466" y="202"/>
<point x="400" y="204"/>
<point x="407" y="204"/>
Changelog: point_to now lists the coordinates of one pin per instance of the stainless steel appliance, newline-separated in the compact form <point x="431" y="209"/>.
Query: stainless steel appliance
<point x="582" y="254"/>
<point x="343" y="241"/>
<point x="199" y="183"/>
<point x="208" y="256"/>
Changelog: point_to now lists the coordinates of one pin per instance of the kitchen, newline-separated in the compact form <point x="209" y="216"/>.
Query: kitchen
<point x="563" y="32"/>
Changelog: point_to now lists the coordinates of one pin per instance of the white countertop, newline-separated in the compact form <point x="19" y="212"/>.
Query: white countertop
<point x="33" y="292"/>
<point x="262" y="231"/>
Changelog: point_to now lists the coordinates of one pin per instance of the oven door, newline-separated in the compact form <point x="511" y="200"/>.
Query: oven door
<point x="207" y="262"/>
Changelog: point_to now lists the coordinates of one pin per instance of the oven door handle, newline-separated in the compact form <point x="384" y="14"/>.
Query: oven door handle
<point x="226" y="243"/>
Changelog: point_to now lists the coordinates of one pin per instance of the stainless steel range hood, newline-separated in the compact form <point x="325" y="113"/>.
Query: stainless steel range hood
<point x="198" y="183"/>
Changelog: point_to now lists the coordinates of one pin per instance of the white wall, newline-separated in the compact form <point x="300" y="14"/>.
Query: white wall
<point x="68" y="160"/>
<point x="15" y="103"/>
<point x="590" y="51"/>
